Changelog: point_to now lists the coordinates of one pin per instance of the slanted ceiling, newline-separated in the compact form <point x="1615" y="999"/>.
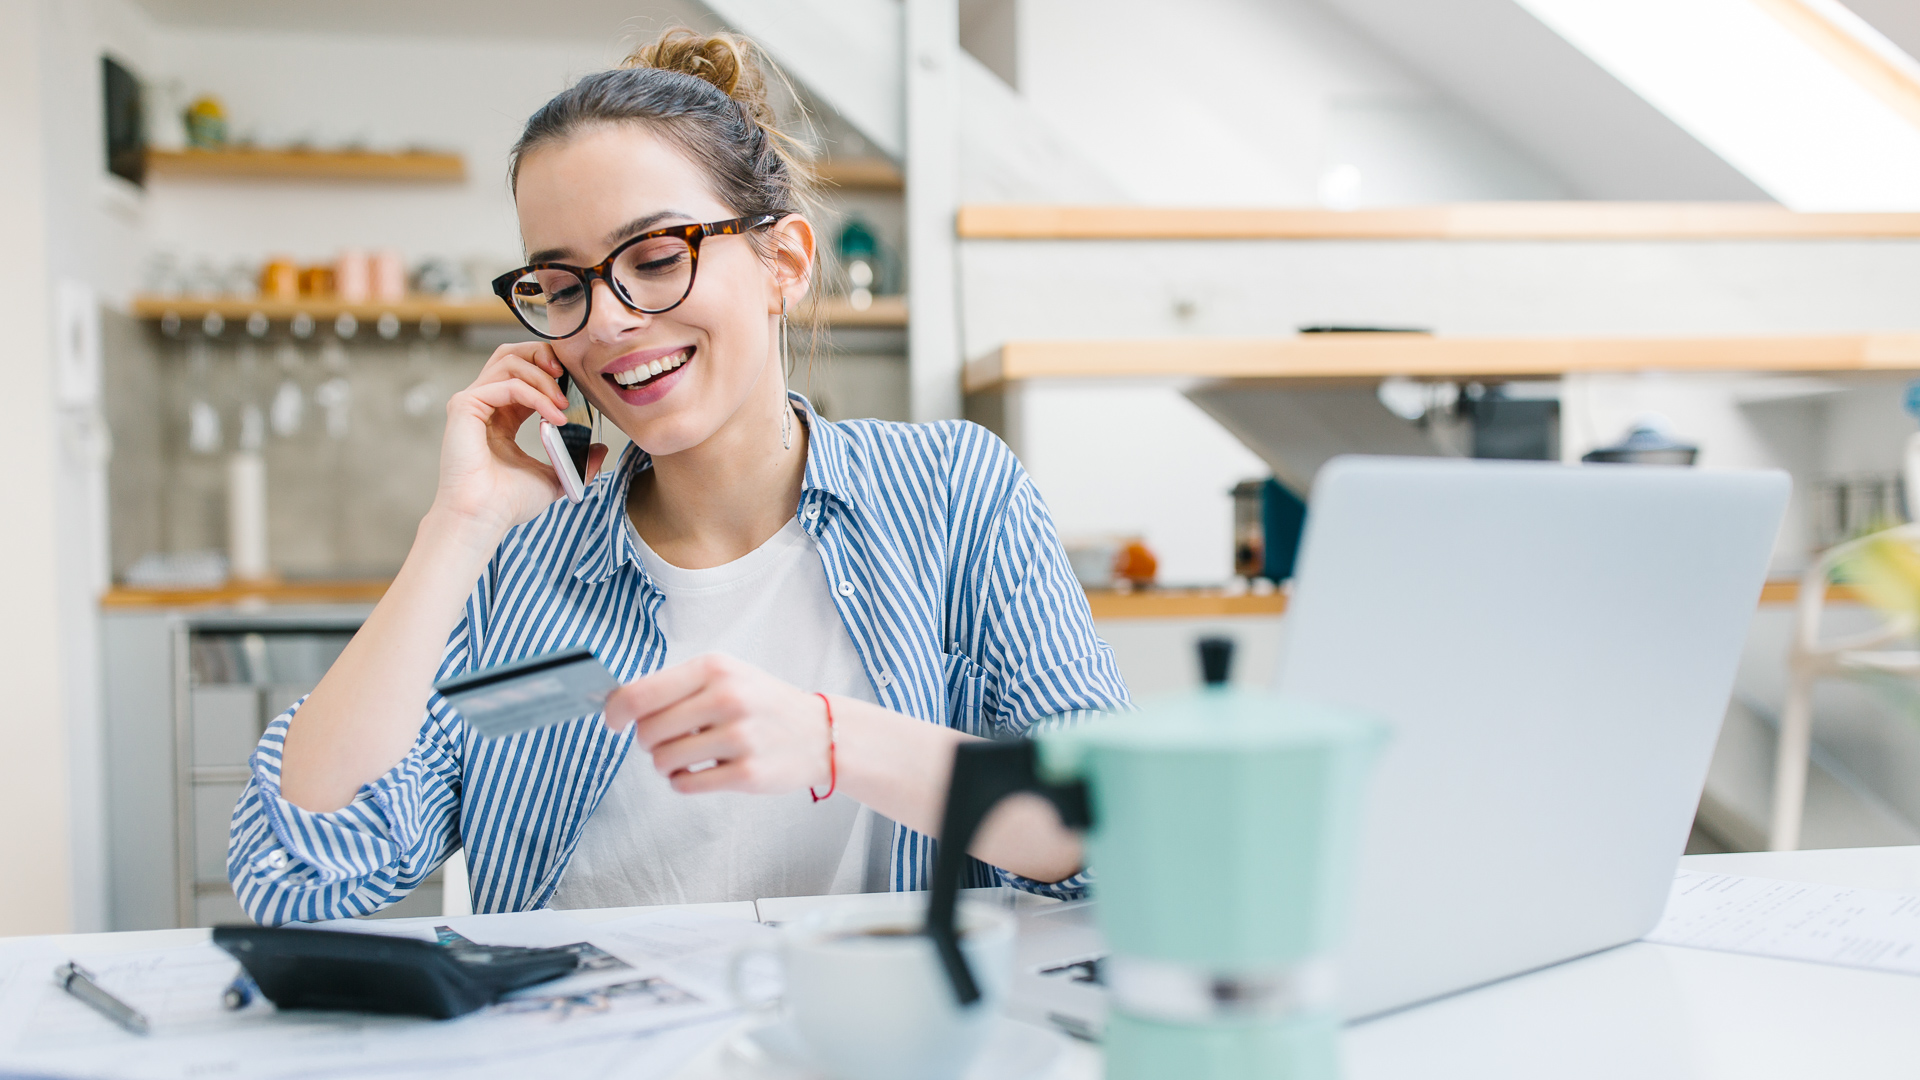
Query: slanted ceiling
<point x="1899" y="20"/>
<point x="1524" y="80"/>
<point x="573" y="20"/>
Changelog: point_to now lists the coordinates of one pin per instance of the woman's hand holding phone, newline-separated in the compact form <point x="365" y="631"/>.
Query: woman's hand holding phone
<point x="485" y="478"/>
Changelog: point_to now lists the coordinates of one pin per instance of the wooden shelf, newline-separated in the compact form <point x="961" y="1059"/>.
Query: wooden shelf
<point x="1466" y="221"/>
<point x="1787" y="591"/>
<point x="413" y="166"/>
<point x="1181" y="603"/>
<point x="886" y="311"/>
<point x="860" y="174"/>
<point x="238" y="593"/>
<point x="1374" y="356"/>
<point x="237" y="309"/>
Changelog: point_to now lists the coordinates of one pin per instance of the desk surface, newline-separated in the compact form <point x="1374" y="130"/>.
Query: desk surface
<point x="1658" y="1012"/>
<point x="1652" y="1012"/>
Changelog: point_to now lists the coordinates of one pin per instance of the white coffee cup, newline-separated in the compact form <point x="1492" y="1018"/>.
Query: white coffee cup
<point x="867" y="994"/>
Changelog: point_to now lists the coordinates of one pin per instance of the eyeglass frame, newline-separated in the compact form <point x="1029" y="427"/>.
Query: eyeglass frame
<point x="690" y="234"/>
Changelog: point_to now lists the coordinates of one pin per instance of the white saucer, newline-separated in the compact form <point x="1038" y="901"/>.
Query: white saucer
<point x="774" y="1051"/>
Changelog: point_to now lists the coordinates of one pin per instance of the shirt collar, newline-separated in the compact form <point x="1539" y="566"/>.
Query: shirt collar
<point x="830" y="471"/>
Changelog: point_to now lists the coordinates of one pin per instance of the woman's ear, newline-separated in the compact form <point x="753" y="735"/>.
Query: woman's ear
<point x="792" y="259"/>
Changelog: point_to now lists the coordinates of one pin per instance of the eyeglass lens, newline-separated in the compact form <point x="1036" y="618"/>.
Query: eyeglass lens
<point x="654" y="275"/>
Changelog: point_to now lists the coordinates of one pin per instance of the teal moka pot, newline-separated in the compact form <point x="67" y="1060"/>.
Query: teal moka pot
<point x="1221" y="831"/>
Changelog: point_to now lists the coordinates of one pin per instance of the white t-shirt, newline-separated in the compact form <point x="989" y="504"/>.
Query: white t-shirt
<point x="649" y="844"/>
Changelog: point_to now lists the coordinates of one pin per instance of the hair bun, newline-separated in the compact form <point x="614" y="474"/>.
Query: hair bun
<point x="728" y="61"/>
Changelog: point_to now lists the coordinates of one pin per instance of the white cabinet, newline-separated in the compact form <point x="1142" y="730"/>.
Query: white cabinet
<point x="188" y="694"/>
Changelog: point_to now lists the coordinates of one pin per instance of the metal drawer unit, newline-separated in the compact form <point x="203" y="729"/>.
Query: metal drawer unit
<point x="223" y="676"/>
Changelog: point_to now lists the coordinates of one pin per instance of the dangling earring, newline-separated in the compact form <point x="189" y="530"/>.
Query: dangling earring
<point x="786" y="403"/>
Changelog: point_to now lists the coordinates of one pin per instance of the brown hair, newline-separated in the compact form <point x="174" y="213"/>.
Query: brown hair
<point x="708" y="95"/>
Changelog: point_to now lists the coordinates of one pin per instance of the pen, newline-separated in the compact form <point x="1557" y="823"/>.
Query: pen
<point x="75" y="980"/>
<point x="239" y="993"/>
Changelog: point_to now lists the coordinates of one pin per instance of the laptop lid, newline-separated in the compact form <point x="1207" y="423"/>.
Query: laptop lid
<point x="1554" y="647"/>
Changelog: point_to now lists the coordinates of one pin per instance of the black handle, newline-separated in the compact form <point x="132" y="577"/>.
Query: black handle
<point x="983" y="774"/>
<point x="1216" y="660"/>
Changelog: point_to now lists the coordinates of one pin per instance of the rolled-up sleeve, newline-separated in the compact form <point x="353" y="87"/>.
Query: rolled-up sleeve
<point x="1046" y="666"/>
<point x="1049" y="668"/>
<point x="288" y="864"/>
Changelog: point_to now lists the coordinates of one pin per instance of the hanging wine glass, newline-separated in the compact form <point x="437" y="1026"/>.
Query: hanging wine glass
<point x="203" y="420"/>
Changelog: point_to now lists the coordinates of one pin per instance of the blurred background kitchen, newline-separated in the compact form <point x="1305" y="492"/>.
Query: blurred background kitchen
<point x="1176" y="256"/>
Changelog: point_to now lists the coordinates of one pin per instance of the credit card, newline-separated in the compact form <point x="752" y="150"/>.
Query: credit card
<point x="535" y="692"/>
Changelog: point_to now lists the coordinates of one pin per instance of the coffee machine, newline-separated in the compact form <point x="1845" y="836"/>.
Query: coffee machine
<point x="1220" y="830"/>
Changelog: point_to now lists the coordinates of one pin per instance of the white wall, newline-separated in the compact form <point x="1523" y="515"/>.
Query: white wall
<point x="93" y="225"/>
<point x="1739" y="422"/>
<point x="1132" y="459"/>
<point x="1399" y="150"/>
<point x="34" y="782"/>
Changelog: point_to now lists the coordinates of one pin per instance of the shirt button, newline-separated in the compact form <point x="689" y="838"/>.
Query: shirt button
<point x="846" y="588"/>
<point x="886" y="678"/>
<point x="812" y="512"/>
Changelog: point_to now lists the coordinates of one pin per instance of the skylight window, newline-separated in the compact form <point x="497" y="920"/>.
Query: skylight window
<point x="1811" y="103"/>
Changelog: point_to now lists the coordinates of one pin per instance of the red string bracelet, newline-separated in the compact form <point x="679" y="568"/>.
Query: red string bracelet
<point x="833" y="762"/>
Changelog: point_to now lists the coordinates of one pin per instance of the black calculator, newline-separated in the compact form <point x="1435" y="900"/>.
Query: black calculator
<point x="330" y="969"/>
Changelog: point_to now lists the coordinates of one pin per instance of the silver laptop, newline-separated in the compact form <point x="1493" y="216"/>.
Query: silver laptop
<point x="1553" y="647"/>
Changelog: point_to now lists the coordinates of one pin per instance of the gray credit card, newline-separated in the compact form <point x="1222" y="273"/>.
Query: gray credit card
<point x="531" y="693"/>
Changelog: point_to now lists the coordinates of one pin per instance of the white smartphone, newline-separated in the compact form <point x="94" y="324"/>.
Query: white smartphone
<point x="563" y="467"/>
<point x="567" y="446"/>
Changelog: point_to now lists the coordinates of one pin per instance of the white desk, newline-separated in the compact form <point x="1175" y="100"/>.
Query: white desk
<point x="1649" y="1012"/>
<point x="1654" y="1012"/>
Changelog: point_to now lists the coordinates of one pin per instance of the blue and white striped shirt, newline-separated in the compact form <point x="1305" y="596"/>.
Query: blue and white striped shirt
<point x="946" y="570"/>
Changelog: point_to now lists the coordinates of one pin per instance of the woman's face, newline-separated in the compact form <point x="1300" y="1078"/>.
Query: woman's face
<point x="578" y="200"/>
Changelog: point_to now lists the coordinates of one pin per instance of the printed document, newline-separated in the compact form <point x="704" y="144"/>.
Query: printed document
<point x="1791" y="920"/>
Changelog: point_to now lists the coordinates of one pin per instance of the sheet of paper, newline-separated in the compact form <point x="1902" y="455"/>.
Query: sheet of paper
<point x="1792" y="920"/>
<point x="693" y="948"/>
<point x="654" y="996"/>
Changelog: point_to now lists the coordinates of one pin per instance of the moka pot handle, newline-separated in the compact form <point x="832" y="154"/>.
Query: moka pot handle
<point x="983" y="774"/>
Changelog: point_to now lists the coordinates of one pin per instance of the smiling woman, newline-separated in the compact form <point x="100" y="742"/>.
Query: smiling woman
<point x="807" y="616"/>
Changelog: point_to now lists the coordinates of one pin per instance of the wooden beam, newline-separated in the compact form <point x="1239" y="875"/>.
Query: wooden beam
<point x="1893" y="84"/>
<point x="1465" y="221"/>
<point x="1324" y="356"/>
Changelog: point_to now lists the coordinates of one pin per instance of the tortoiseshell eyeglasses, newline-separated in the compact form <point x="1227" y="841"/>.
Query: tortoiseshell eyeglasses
<point x="651" y="273"/>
